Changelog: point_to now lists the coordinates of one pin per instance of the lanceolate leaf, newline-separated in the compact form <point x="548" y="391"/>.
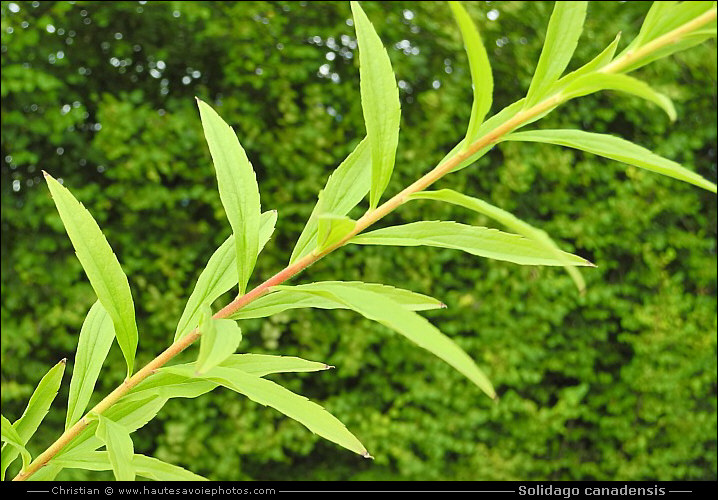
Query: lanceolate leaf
<point x="380" y="103"/>
<point x="40" y="402"/>
<point x="382" y="309"/>
<point x="87" y="460"/>
<point x="280" y="301"/>
<point x="564" y="30"/>
<point x="13" y="439"/>
<point x="614" y="148"/>
<point x="95" y="341"/>
<point x="686" y="42"/>
<point x="297" y="407"/>
<point x="346" y="187"/>
<point x="101" y="266"/>
<point x="254" y="364"/>
<point x="157" y="470"/>
<point x="238" y="189"/>
<point x="595" y="64"/>
<point x="481" y="77"/>
<point x="480" y="241"/>
<point x="267" y="223"/>
<point x="35" y="411"/>
<point x="135" y="414"/>
<point x="593" y="82"/>
<point x="47" y="473"/>
<point x="331" y="229"/>
<point x="148" y="467"/>
<point x="120" y="450"/>
<point x="266" y="364"/>
<point x="508" y="220"/>
<point x="129" y="413"/>
<point x="219" y="276"/>
<point x="288" y="298"/>
<point x="220" y="338"/>
<point x="655" y="17"/>
<point x="170" y="385"/>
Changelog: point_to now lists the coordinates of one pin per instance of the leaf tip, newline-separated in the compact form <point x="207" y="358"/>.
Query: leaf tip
<point x="367" y="455"/>
<point x="329" y="367"/>
<point x="442" y="305"/>
<point x="63" y="361"/>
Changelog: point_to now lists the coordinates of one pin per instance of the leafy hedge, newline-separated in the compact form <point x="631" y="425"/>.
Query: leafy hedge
<point x="619" y="384"/>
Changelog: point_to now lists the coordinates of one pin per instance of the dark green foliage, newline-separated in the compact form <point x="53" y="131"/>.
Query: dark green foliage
<point x="619" y="384"/>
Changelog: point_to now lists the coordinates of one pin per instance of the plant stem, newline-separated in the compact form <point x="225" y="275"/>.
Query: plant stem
<point x="365" y="221"/>
<point x="290" y="271"/>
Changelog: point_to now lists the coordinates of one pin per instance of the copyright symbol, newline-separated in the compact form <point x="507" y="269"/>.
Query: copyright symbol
<point x="108" y="490"/>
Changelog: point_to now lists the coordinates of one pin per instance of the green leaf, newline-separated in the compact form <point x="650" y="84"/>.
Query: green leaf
<point x="331" y="229"/>
<point x="238" y="189"/>
<point x="279" y="301"/>
<point x="595" y="64"/>
<point x="267" y="364"/>
<point x="593" y="82"/>
<point x="12" y="438"/>
<point x="40" y="402"/>
<point x="297" y="407"/>
<point x="135" y="414"/>
<point x="564" y="30"/>
<point x="220" y="338"/>
<point x="381" y="308"/>
<point x="167" y="386"/>
<point x="508" y="220"/>
<point x="86" y="460"/>
<point x="157" y="470"/>
<point x="686" y="42"/>
<point x="35" y="412"/>
<point x="267" y="223"/>
<point x="651" y="27"/>
<point x="101" y="266"/>
<point x="129" y="413"/>
<point x="286" y="298"/>
<point x="95" y="341"/>
<point x="480" y="241"/>
<point x="120" y="450"/>
<point x="170" y="385"/>
<point x="47" y="473"/>
<point x="219" y="276"/>
<point x="148" y="467"/>
<point x="614" y="148"/>
<point x="481" y="77"/>
<point x="380" y="103"/>
<point x="345" y="188"/>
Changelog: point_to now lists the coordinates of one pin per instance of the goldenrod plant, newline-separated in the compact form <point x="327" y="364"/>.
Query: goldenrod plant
<point x="101" y="438"/>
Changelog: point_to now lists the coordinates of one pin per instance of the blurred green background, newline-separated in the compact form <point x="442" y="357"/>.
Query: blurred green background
<point x="619" y="384"/>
